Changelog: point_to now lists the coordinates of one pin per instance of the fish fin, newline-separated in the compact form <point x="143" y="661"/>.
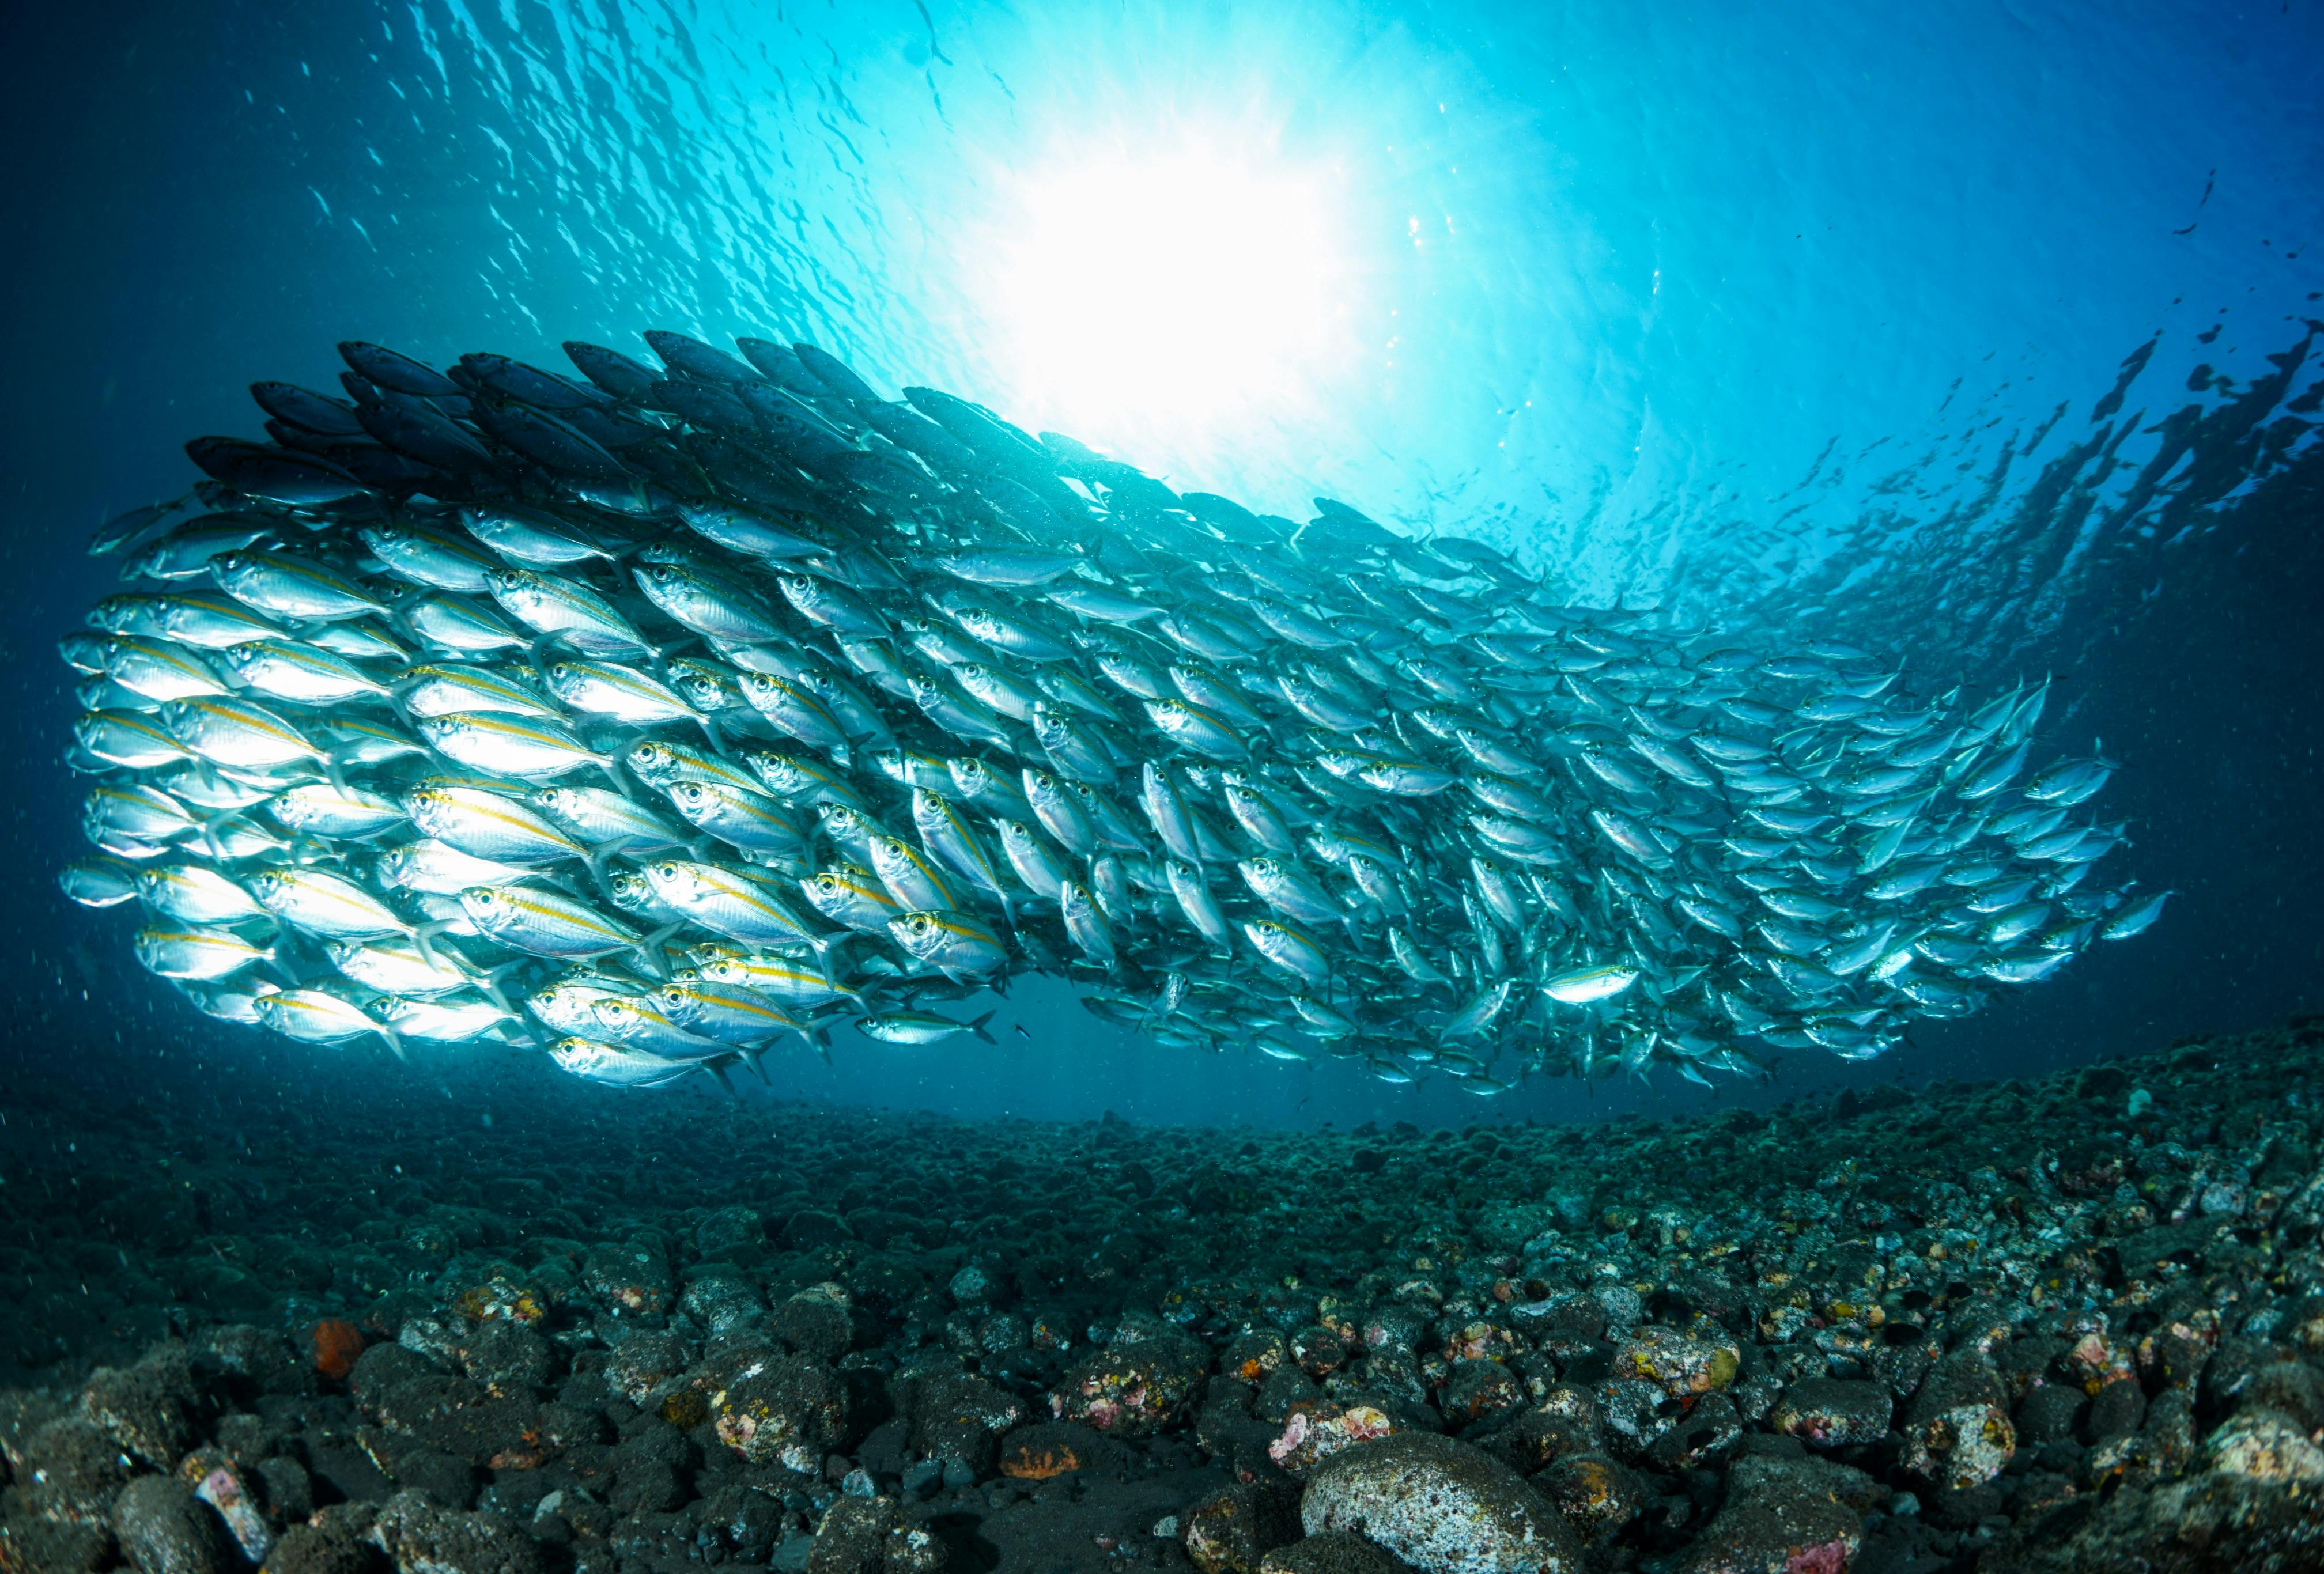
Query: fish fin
<point x="394" y="1041"/>
<point x="423" y="937"/>
<point x="209" y="829"/>
<point x="603" y="855"/>
<point x="978" y="1028"/>
<point x="649" y="950"/>
<point x="551" y="641"/>
<point x="489" y="985"/>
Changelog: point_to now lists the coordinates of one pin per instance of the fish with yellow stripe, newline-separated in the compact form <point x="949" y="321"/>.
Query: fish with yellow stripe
<point x="869" y="725"/>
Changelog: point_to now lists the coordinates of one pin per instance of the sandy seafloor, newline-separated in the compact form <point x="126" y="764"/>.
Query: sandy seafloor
<point x="2069" y="1323"/>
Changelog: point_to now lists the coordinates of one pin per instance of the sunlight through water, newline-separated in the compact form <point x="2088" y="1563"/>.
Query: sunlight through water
<point x="1162" y="295"/>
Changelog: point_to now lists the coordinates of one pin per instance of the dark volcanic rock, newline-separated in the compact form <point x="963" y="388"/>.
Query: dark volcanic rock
<point x="1233" y="1528"/>
<point x="1334" y="1552"/>
<point x="419" y="1537"/>
<point x="1825" y="1413"/>
<point x="164" y="1529"/>
<point x="779" y="1409"/>
<point x="1785" y="1516"/>
<point x="1133" y="1388"/>
<point x="1956" y="1432"/>
<point x="867" y="1536"/>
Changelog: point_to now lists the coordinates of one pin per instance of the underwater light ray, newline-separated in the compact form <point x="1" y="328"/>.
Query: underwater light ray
<point x="1167" y="294"/>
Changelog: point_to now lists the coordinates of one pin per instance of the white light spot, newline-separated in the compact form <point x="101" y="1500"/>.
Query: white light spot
<point x="1160" y="295"/>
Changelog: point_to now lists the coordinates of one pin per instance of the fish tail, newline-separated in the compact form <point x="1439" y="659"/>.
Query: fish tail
<point x="978" y="1028"/>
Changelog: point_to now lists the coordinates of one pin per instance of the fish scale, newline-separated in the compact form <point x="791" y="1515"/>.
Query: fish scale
<point x="1537" y="828"/>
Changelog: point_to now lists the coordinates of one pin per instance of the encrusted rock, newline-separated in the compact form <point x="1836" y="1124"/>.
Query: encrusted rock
<point x="1956" y="1433"/>
<point x="647" y="1362"/>
<point x="1597" y="1496"/>
<point x="779" y="1409"/>
<point x="154" y="1408"/>
<point x="1683" y="1363"/>
<point x="1313" y="1434"/>
<point x="1233" y="1529"/>
<point x="955" y="1416"/>
<point x="72" y="1469"/>
<point x="1480" y="1390"/>
<point x="1634" y="1414"/>
<point x="165" y="1529"/>
<point x="866" y="1535"/>
<point x="1133" y="1388"/>
<point x="723" y="1302"/>
<point x="1333" y="1552"/>
<point x="1831" y="1413"/>
<point x="631" y="1277"/>
<point x="1709" y="1430"/>
<point x="1564" y="1420"/>
<point x="1248" y="1357"/>
<point x="1442" y="1506"/>
<point x="1797" y="1516"/>
<point x="421" y="1537"/>
<point x="2260" y="1444"/>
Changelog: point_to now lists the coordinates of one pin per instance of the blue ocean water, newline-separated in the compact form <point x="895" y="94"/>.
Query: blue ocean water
<point x="1982" y="335"/>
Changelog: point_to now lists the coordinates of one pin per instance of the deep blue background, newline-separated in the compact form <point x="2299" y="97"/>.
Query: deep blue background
<point x="1795" y="317"/>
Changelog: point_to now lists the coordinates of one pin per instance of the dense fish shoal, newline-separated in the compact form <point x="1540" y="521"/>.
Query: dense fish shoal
<point x="656" y="715"/>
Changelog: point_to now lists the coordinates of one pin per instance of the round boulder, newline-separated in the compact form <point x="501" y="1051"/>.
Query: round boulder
<point x="1444" y="1506"/>
<point x="1832" y="1413"/>
<point x="163" y="1529"/>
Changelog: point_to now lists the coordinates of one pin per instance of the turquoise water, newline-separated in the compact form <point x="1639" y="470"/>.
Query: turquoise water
<point x="1980" y="336"/>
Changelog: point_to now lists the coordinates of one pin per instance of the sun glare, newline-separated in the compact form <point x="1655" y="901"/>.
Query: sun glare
<point x="1161" y="295"/>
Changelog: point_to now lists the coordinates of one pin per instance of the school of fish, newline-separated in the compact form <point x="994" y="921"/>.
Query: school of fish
<point x="654" y="717"/>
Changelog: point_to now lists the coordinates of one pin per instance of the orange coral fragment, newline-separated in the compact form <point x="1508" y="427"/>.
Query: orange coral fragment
<point x="337" y="1343"/>
<point x="1025" y="1465"/>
